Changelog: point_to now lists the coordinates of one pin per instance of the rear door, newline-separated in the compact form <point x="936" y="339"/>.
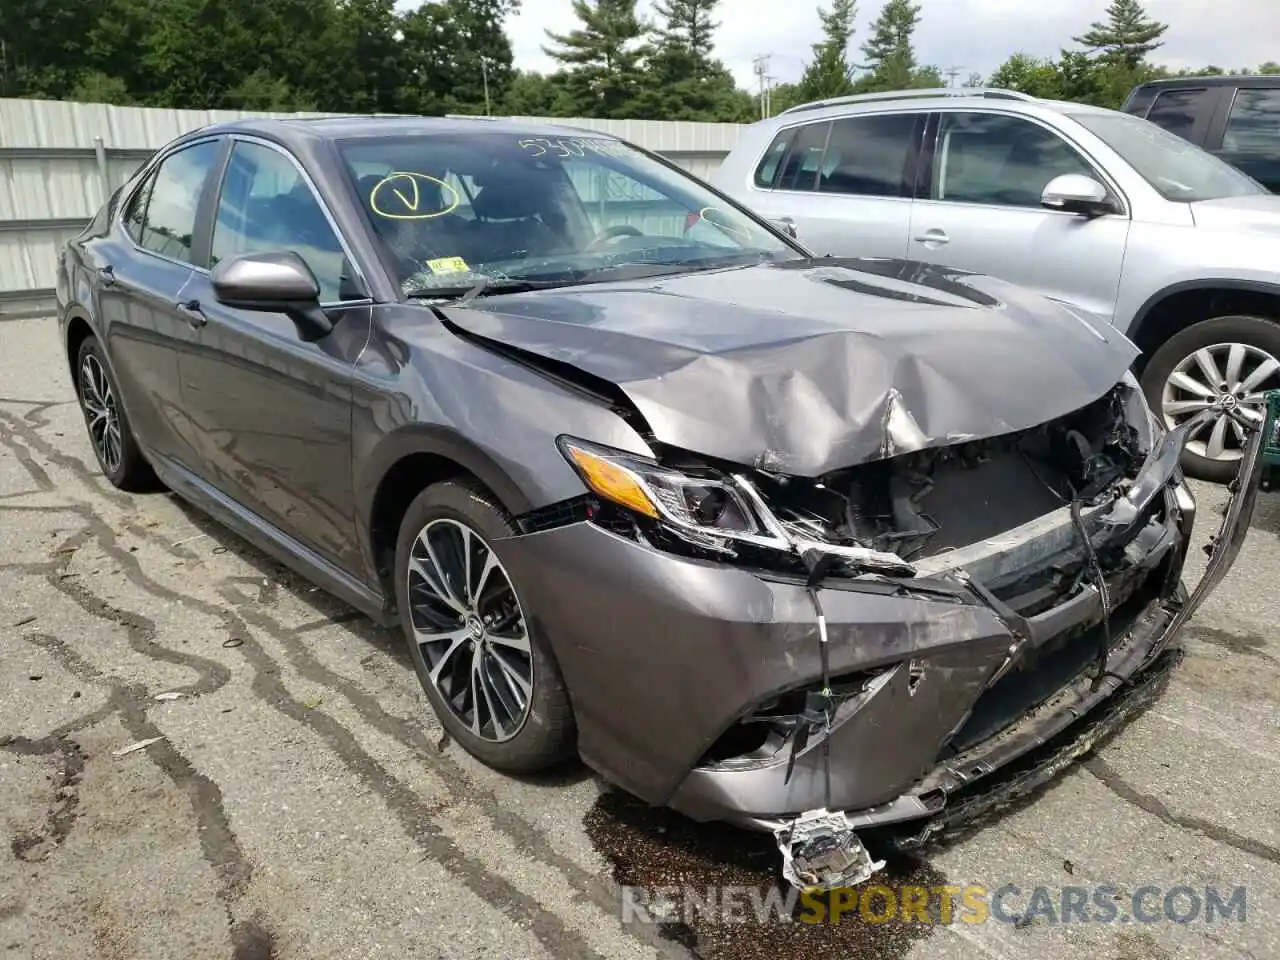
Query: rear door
<point x="845" y="183"/>
<point x="979" y="209"/>
<point x="272" y="413"/>
<point x="1188" y="112"/>
<point x="143" y="271"/>
<point x="1249" y="135"/>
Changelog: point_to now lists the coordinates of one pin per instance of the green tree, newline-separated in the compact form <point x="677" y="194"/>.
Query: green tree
<point x="602" y="57"/>
<point x="830" y="74"/>
<point x="453" y="50"/>
<point x="1270" y="67"/>
<point x="1126" y="37"/>
<point x="891" y="60"/>
<point x="683" y="81"/>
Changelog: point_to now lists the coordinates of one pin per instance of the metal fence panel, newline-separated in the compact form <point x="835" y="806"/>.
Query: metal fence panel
<point x="59" y="161"/>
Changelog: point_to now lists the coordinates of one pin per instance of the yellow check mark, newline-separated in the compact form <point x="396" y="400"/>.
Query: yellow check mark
<point x="410" y="204"/>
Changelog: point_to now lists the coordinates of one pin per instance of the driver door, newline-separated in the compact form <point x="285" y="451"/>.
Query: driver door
<point x="982" y="212"/>
<point x="272" y="414"/>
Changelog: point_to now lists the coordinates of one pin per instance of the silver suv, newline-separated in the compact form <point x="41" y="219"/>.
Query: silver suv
<point x="1091" y="207"/>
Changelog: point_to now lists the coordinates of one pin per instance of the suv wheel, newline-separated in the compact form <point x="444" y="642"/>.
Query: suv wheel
<point x="1225" y="364"/>
<point x="490" y="676"/>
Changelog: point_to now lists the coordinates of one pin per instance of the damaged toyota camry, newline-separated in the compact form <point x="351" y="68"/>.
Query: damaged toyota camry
<point x="809" y="546"/>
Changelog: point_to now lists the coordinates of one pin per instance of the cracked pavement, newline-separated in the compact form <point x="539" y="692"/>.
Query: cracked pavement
<point x="301" y="801"/>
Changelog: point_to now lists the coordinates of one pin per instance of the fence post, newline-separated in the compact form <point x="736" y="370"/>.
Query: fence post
<point x="100" y="151"/>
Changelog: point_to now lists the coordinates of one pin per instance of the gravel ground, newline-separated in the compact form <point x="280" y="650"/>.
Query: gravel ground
<point x="299" y="800"/>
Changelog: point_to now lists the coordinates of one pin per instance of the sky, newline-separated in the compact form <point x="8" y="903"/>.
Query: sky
<point x="970" y="35"/>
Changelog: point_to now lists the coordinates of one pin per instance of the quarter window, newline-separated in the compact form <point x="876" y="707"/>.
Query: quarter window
<point x="167" y="224"/>
<point x="1000" y="160"/>
<point x="767" y="171"/>
<point x="868" y="156"/>
<point x="266" y="206"/>
<point x="1254" y="124"/>
<point x="1178" y="110"/>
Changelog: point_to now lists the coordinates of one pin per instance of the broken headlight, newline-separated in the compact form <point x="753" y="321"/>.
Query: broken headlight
<point x="714" y="511"/>
<point x="697" y="505"/>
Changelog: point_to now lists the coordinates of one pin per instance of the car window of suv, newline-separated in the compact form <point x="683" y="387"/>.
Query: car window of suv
<point x="867" y="156"/>
<point x="1254" y="124"/>
<point x="169" y="221"/>
<point x="266" y="205"/>
<point x="1001" y="160"/>
<point x="804" y="159"/>
<point x="1178" y="110"/>
<point x="1175" y="168"/>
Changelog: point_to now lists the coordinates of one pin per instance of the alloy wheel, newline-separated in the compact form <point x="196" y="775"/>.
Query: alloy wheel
<point x="1232" y="380"/>
<point x="99" y="402"/>
<point x="470" y="629"/>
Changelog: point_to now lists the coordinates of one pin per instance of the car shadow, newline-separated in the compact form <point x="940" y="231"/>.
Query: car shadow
<point x="273" y="577"/>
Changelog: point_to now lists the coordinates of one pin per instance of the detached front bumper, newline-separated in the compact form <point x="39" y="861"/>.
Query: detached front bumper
<point x="666" y="657"/>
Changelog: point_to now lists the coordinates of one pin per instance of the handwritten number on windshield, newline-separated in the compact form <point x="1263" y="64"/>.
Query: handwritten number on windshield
<point x="571" y="147"/>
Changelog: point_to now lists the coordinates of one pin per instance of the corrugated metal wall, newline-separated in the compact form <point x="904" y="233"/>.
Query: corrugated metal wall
<point x="59" y="161"/>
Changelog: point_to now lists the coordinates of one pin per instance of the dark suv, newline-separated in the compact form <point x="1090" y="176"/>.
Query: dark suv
<point x="1235" y="118"/>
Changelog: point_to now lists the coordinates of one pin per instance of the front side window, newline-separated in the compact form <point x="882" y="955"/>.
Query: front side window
<point x="1178" y="110"/>
<point x="1254" y="124"/>
<point x="1000" y="160"/>
<point x="266" y="206"/>
<point x="167" y="226"/>
<point x="1175" y="168"/>
<point x="451" y="209"/>
<point x="868" y="156"/>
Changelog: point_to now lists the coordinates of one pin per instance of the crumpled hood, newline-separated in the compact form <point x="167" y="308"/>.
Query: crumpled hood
<point x="1259" y="213"/>
<point x="811" y="366"/>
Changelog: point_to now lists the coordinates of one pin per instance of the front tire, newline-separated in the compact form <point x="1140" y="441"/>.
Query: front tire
<point x="489" y="675"/>
<point x="110" y="433"/>
<point x="1226" y="364"/>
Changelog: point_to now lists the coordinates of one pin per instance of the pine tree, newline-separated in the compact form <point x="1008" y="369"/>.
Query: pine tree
<point x="890" y="57"/>
<point x="682" y="80"/>
<point x="1127" y="36"/>
<point x="602" y="57"/>
<point x="686" y="25"/>
<point x="830" y="75"/>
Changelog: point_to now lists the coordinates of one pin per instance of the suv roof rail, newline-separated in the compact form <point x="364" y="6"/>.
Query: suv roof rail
<point x="991" y="93"/>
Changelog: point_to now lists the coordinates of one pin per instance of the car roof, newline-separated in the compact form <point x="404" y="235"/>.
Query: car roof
<point x="292" y="129"/>
<point x="1234" y="80"/>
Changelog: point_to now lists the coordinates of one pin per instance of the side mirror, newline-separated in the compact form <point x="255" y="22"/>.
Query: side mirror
<point x="1076" y="193"/>
<point x="275" y="282"/>
<point x="786" y="225"/>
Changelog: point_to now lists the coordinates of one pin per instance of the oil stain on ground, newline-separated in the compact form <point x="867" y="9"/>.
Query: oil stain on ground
<point x="652" y="848"/>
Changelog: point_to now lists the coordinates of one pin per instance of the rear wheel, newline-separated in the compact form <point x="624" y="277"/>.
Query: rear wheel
<point x="490" y="676"/>
<point x="109" y="430"/>
<point x="1226" y="365"/>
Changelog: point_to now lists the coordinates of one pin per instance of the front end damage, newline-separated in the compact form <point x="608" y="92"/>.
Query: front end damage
<point x="816" y="656"/>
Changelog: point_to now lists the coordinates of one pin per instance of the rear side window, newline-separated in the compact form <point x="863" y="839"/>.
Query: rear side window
<point x="168" y="225"/>
<point x="1254" y="124"/>
<point x="804" y="159"/>
<point x="868" y="156"/>
<point x="767" y="171"/>
<point x="1178" y="110"/>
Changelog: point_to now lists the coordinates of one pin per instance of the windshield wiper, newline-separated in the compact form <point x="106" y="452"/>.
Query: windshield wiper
<point x="484" y="286"/>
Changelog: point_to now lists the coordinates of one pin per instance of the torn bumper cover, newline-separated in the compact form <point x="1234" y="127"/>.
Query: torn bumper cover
<point x="691" y="678"/>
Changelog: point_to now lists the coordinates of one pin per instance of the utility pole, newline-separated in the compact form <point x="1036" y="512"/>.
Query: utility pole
<point x="760" y="66"/>
<point x="953" y="72"/>
<point x="484" y="72"/>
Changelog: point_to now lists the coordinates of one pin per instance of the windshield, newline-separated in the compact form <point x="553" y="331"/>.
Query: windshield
<point x="499" y="209"/>
<point x="1177" y="168"/>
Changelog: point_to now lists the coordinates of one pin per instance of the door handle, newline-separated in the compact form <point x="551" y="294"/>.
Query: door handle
<point x="933" y="238"/>
<point x="191" y="310"/>
<point x="107" y="275"/>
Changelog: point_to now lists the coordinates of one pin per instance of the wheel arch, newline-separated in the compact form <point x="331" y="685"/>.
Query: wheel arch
<point x="405" y="464"/>
<point x="78" y="330"/>
<point x="1179" y="305"/>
